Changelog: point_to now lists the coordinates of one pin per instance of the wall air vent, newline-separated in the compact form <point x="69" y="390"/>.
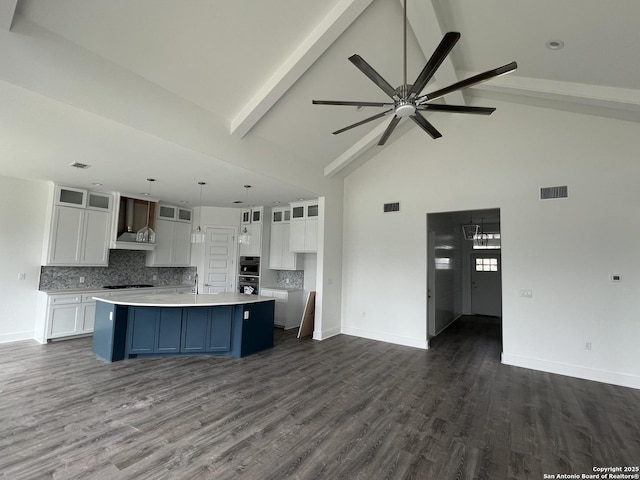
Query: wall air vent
<point x="391" y="207"/>
<point x="79" y="165"/>
<point x="547" y="193"/>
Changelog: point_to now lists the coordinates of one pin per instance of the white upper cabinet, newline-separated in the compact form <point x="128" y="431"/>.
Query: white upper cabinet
<point x="173" y="238"/>
<point x="304" y="227"/>
<point x="251" y="221"/>
<point x="79" y="228"/>
<point x="280" y="255"/>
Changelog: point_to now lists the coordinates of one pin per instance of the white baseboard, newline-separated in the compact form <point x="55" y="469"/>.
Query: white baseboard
<point x="604" y="376"/>
<point x="386" y="337"/>
<point x="16" y="336"/>
<point x="324" y="334"/>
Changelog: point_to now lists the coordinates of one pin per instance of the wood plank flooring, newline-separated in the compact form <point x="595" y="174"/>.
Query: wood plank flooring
<point x="344" y="408"/>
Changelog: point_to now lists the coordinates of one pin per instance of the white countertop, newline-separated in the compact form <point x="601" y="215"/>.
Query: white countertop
<point x="183" y="299"/>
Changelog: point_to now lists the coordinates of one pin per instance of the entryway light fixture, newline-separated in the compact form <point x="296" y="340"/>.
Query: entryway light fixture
<point x="470" y="229"/>
<point x="481" y="238"/>
<point x="198" y="235"/>
<point x="146" y="234"/>
<point x="245" y="235"/>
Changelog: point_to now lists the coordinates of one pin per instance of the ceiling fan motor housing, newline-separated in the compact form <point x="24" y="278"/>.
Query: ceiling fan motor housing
<point x="405" y="109"/>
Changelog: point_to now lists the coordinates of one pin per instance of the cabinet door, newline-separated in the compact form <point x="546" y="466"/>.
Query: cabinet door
<point x="141" y="329"/>
<point x="311" y="236"/>
<point x="71" y="196"/>
<point x="167" y="212"/>
<point x="195" y="325"/>
<point x="289" y="258"/>
<point x="99" y="201"/>
<point x="182" y="244"/>
<point x="63" y="320"/>
<point x="163" y="253"/>
<point x="297" y="235"/>
<point x="245" y="216"/>
<point x="253" y="249"/>
<point x="169" y="329"/>
<point x="219" y="337"/>
<point x="95" y="237"/>
<point x="276" y="246"/>
<point x="66" y="235"/>
<point x="88" y="317"/>
<point x="184" y="215"/>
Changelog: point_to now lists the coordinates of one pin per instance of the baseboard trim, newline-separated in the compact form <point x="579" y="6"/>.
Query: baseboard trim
<point x="603" y="376"/>
<point x="324" y="334"/>
<point x="16" y="336"/>
<point x="386" y="337"/>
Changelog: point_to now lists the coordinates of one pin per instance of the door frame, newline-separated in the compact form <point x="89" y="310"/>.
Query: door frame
<point x="201" y="263"/>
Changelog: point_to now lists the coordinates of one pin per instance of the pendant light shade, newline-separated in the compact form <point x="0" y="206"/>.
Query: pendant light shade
<point x="198" y="235"/>
<point x="245" y="234"/>
<point x="146" y="233"/>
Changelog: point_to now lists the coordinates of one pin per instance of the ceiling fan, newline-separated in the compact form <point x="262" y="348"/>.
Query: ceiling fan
<point x="407" y="98"/>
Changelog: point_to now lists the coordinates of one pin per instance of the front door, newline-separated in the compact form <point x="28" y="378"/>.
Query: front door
<point x="219" y="261"/>
<point x="486" y="284"/>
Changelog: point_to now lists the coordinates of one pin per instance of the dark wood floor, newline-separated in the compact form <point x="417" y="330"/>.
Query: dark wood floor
<point x="344" y="408"/>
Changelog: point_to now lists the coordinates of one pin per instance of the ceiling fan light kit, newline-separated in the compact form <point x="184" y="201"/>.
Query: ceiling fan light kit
<point x="406" y="99"/>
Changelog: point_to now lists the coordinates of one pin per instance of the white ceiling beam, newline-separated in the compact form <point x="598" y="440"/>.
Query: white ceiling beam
<point x="320" y="39"/>
<point x="7" y="12"/>
<point x="424" y="23"/>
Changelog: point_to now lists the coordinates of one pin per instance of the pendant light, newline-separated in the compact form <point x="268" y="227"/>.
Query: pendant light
<point x="470" y="230"/>
<point x="146" y="234"/>
<point x="198" y="235"/>
<point x="482" y="239"/>
<point x="245" y="235"/>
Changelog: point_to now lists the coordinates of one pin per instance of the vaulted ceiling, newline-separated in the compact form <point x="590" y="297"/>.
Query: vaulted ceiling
<point x="221" y="91"/>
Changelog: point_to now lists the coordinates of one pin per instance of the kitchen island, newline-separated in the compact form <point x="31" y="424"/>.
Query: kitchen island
<point x="130" y="326"/>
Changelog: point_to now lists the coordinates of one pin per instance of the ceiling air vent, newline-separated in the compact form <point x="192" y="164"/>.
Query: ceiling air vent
<point x="79" y="165"/>
<point x="553" y="192"/>
<point x="392" y="207"/>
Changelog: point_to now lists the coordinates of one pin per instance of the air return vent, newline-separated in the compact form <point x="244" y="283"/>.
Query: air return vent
<point x="547" y="193"/>
<point x="391" y="207"/>
<point x="79" y="165"/>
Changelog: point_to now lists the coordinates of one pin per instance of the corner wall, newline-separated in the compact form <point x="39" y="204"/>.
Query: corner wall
<point x="562" y="250"/>
<point x="23" y="220"/>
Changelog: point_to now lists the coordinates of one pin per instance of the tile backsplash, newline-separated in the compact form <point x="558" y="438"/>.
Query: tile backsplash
<point x="290" y="279"/>
<point x="125" y="267"/>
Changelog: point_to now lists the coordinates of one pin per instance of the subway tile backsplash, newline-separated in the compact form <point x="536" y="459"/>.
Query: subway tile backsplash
<point x="125" y="267"/>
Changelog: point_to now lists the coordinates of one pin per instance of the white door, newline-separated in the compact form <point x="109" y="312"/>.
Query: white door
<point x="219" y="260"/>
<point x="486" y="284"/>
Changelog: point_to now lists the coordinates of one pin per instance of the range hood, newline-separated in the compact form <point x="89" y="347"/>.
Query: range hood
<point x="131" y="217"/>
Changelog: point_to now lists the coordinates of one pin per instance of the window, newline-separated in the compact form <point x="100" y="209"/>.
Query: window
<point x="491" y="241"/>
<point x="486" y="264"/>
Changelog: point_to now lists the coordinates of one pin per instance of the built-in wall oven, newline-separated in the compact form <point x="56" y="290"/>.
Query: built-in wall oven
<point x="249" y="275"/>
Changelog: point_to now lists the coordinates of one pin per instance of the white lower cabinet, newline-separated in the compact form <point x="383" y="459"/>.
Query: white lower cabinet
<point x="69" y="315"/>
<point x="72" y="314"/>
<point x="289" y="306"/>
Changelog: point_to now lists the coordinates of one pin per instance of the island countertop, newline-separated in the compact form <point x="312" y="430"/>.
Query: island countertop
<point x="183" y="299"/>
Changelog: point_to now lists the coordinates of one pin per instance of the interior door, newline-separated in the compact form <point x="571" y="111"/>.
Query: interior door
<point x="220" y="265"/>
<point x="486" y="284"/>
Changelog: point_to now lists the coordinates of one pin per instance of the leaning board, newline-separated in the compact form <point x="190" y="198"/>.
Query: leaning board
<point x="308" y="317"/>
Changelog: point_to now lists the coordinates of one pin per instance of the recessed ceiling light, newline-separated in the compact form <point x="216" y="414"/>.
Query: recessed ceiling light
<point x="184" y="201"/>
<point x="360" y="108"/>
<point x="555" y="44"/>
<point x="96" y="184"/>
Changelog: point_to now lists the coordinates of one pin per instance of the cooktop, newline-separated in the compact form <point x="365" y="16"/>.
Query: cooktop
<point x="137" y="285"/>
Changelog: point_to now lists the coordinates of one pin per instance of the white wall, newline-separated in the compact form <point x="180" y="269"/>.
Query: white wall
<point x="563" y="250"/>
<point x="23" y="220"/>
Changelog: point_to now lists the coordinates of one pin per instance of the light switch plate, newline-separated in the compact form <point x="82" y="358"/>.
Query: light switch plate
<point x="246" y="314"/>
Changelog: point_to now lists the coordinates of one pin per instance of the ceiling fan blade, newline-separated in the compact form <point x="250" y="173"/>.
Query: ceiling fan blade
<point x="374" y="76"/>
<point x="436" y="107"/>
<point x="387" y="133"/>
<point x="481" y="77"/>
<point x="352" y="104"/>
<point x="440" y="53"/>
<point x="425" y="125"/>
<point x="362" y="122"/>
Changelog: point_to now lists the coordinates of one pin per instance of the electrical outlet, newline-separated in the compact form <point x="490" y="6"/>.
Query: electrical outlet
<point x="526" y="293"/>
<point x="189" y="277"/>
<point x="587" y="345"/>
<point x="286" y="280"/>
<point x="155" y="277"/>
<point x="246" y="314"/>
<point x="81" y="279"/>
<point x="22" y="276"/>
